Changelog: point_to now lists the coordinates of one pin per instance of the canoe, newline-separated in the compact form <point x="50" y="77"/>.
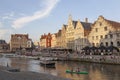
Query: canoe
<point x="74" y="72"/>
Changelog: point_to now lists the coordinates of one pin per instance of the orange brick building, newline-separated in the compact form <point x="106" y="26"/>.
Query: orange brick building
<point x="45" y="40"/>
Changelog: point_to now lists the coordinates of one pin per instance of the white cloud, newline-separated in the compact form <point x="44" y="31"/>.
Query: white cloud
<point x="48" y="6"/>
<point x="1" y="24"/>
<point x="8" y="16"/>
<point x="4" y="34"/>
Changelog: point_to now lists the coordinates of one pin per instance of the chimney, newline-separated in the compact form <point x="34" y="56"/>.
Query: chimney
<point x="86" y="20"/>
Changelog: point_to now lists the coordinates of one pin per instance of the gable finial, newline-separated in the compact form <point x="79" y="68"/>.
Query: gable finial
<point x="70" y="17"/>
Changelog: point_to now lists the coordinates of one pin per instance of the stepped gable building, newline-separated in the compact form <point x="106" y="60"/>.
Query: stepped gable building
<point x="77" y="33"/>
<point x="18" y="41"/>
<point x="48" y="40"/>
<point x="45" y="40"/>
<point x="70" y="33"/>
<point x="54" y="40"/>
<point x="63" y="36"/>
<point x="82" y="31"/>
<point x="105" y="32"/>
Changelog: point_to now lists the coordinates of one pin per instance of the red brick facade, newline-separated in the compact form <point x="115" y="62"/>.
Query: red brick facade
<point x="47" y="40"/>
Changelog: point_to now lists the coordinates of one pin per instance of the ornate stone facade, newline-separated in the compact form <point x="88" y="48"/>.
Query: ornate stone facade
<point x="105" y="32"/>
<point x="77" y="34"/>
<point x="82" y="31"/>
<point x="70" y="33"/>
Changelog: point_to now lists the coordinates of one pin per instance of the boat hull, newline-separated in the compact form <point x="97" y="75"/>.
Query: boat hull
<point x="48" y="64"/>
<point x="74" y="72"/>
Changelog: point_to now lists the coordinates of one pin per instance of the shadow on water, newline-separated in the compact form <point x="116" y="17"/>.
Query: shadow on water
<point x="95" y="71"/>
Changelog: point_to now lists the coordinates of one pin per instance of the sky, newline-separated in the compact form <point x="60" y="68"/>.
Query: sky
<point x="36" y="17"/>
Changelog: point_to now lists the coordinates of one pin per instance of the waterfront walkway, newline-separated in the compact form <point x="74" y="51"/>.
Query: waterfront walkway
<point x="6" y="75"/>
<point x="110" y="59"/>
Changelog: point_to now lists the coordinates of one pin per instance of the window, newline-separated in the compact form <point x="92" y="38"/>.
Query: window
<point x="101" y="36"/>
<point x="105" y="28"/>
<point x="106" y="43"/>
<point x="93" y="37"/>
<point x="96" y="37"/>
<point x="106" y="36"/>
<point x="96" y="29"/>
<point x="111" y="43"/>
<point x="111" y="36"/>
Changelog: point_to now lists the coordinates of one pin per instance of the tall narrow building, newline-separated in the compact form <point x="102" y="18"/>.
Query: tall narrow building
<point x="82" y="31"/>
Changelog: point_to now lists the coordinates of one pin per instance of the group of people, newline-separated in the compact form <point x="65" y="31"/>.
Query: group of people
<point x="77" y="70"/>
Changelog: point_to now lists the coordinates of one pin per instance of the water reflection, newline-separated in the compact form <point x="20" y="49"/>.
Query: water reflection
<point x="96" y="71"/>
<point x="5" y="61"/>
<point x="34" y="66"/>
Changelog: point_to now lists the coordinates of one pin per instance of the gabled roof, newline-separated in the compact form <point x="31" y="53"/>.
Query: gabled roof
<point x="86" y="26"/>
<point x="59" y="33"/>
<point x="114" y="24"/>
<point x="65" y="26"/>
<point x="74" y="23"/>
<point x="43" y="36"/>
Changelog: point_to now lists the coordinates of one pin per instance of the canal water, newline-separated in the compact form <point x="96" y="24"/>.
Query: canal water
<point x="95" y="71"/>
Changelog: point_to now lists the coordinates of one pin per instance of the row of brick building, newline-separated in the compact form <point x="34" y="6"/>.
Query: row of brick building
<point x="78" y="34"/>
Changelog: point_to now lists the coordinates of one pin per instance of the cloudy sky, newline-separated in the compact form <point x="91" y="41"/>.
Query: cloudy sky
<point x="36" y="17"/>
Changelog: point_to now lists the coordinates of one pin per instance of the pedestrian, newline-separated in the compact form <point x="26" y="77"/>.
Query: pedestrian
<point x="78" y="69"/>
<point x="7" y="65"/>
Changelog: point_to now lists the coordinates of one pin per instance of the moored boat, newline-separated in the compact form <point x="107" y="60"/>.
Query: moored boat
<point x="75" y="72"/>
<point x="50" y="64"/>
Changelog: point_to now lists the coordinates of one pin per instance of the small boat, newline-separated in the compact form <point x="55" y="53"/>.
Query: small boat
<point x="49" y="64"/>
<point x="74" y="72"/>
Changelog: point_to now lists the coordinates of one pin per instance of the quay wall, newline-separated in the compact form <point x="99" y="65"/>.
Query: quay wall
<point x="108" y="59"/>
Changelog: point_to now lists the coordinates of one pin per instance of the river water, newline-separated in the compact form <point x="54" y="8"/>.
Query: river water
<point x="95" y="71"/>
